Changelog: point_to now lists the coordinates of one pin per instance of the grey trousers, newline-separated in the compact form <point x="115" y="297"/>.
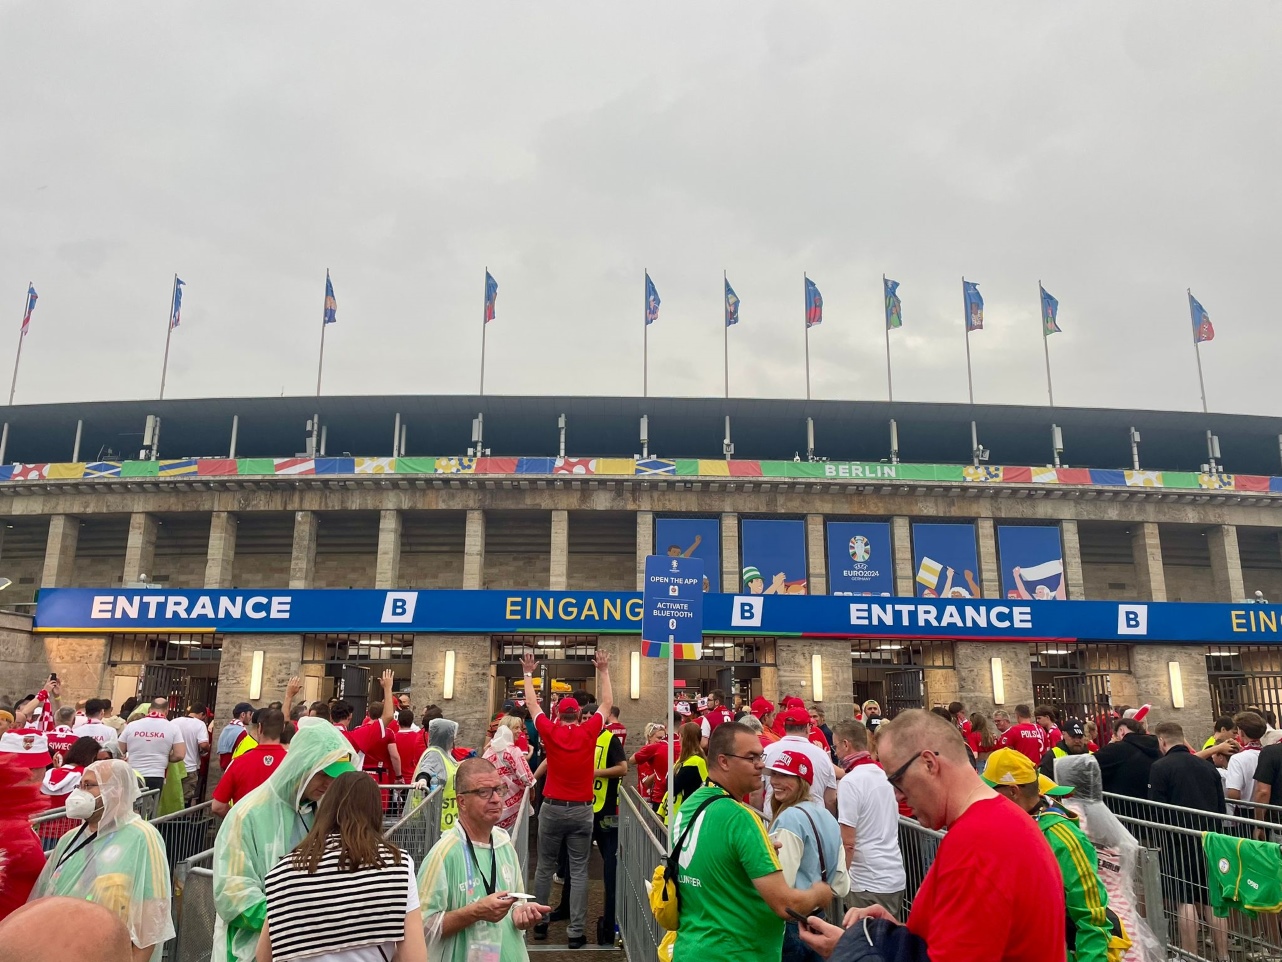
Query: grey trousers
<point x="573" y="825"/>
<point x="892" y="902"/>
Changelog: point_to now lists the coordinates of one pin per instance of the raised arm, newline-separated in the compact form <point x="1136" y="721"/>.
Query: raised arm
<point x="528" y="664"/>
<point x="605" y="699"/>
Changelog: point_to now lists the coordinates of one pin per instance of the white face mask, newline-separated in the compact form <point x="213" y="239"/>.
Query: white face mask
<point x="81" y="804"/>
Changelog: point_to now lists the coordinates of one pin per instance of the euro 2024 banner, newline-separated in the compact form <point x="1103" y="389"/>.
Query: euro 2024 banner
<point x="692" y="538"/>
<point x="1032" y="562"/>
<point x="946" y="559"/>
<point x="774" y="557"/>
<point x="859" y="558"/>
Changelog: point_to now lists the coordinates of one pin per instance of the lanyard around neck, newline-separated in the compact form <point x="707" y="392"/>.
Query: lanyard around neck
<point x="490" y="883"/>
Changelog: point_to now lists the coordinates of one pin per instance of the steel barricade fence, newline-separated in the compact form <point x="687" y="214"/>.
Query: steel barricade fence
<point x="917" y="846"/>
<point x="187" y="832"/>
<point x="419" y="828"/>
<point x="193" y="908"/>
<point x="642" y="846"/>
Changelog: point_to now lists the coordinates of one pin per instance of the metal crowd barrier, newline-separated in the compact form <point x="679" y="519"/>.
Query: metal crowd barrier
<point x="187" y="832"/>
<point x="53" y="824"/>
<point x="642" y="846"/>
<point x="193" y="908"/>
<point x="917" y="846"/>
<point x="419" y="828"/>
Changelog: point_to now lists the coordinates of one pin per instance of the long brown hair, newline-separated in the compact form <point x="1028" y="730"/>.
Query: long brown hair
<point x="691" y="742"/>
<point x="777" y="807"/>
<point x="987" y="736"/>
<point x="352" y="810"/>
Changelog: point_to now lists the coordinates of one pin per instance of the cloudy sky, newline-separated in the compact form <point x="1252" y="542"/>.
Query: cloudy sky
<point x="1120" y="153"/>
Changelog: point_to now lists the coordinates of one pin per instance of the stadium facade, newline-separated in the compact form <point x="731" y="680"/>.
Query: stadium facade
<point x="548" y="518"/>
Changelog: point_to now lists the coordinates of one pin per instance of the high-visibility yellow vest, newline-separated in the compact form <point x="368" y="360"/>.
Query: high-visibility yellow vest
<point x="449" y="800"/>
<point x="698" y="762"/>
<point x="600" y="783"/>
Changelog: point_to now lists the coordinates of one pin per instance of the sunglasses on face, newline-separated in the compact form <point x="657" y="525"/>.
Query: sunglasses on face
<point x="897" y="776"/>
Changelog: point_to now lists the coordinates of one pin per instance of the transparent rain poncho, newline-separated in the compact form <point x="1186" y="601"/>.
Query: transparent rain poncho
<point x="122" y="866"/>
<point x="260" y="829"/>
<point x="1117" y="849"/>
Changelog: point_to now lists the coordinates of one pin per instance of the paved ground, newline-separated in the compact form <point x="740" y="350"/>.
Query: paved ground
<point x="555" y="948"/>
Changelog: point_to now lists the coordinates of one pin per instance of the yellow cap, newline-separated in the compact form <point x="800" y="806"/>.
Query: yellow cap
<point x="1009" y="767"/>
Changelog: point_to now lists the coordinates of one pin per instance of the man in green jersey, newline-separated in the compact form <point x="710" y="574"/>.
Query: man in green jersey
<point x="466" y="881"/>
<point x="733" y="897"/>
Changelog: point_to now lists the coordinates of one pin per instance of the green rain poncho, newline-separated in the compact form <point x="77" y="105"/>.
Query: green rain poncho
<point x="122" y="866"/>
<point x="261" y="828"/>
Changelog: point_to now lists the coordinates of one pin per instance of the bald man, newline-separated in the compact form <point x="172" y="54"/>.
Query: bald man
<point x="1018" y="913"/>
<point x="85" y="930"/>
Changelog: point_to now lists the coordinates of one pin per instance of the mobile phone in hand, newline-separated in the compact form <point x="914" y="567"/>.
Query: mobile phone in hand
<point x="799" y="919"/>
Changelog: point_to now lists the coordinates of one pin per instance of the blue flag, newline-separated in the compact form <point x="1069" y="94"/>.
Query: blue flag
<point x="330" y="316"/>
<point x="894" y="307"/>
<point x="1202" y="329"/>
<point x="974" y="307"/>
<point x="1050" y="310"/>
<point x="176" y="309"/>
<point x="32" y="297"/>
<point x="732" y="305"/>
<point x="491" y="295"/>
<point x="652" y="301"/>
<point x="814" y="304"/>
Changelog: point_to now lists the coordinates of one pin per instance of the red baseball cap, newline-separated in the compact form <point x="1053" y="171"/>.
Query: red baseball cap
<point x="792" y="701"/>
<point x="761" y="706"/>
<point x="793" y="763"/>
<point x="567" y="706"/>
<point x="795" y="716"/>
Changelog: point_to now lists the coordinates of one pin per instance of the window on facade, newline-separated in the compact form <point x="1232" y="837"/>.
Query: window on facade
<point x="1244" y="676"/>
<point x="324" y="649"/>
<point x="128" y="649"/>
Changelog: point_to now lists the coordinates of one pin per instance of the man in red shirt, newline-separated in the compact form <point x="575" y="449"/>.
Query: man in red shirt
<point x="1044" y="715"/>
<point x="374" y="742"/>
<point x="616" y="727"/>
<point x="411" y="741"/>
<point x="1017" y="915"/>
<point x="716" y="715"/>
<point x="1024" y="736"/>
<point x="62" y="737"/>
<point x="566" y="815"/>
<point x="250" y="769"/>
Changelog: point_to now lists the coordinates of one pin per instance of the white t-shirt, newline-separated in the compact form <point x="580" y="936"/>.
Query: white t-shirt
<point x="194" y="734"/>
<point x="148" y="742"/>
<point x="820" y="762"/>
<point x="385" y="950"/>
<point x="104" y="735"/>
<point x="1241" y="775"/>
<point x="866" y="802"/>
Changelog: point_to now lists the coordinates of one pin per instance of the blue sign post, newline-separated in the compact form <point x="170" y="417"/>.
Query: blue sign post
<point x="672" y="607"/>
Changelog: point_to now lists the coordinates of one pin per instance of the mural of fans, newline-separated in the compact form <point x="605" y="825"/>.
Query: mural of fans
<point x="693" y="538"/>
<point x="945" y="554"/>
<point x="1032" y="562"/>
<point x="774" y="557"/>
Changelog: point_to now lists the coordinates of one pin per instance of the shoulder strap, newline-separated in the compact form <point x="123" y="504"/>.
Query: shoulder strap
<point x="819" y="843"/>
<point x="675" y="855"/>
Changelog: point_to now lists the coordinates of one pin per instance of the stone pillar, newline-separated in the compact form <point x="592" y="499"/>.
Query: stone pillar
<point x="474" y="551"/>
<point x="388" y="564"/>
<point x="990" y="581"/>
<point x="1074" y="582"/>
<point x="1146" y="548"/>
<point x="474" y="695"/>
<point x="60" y="551"/>
<point x="1226" y="563"/>
<point x="795" y="660"/>
<point x="282" y="658"/>
<point x="974" y="673"/>
<point x="645" y="544"/>
<point x="816" y="556"/>
<point x="559" y="564"/>
<point x="901" y="540"/>
<point x="731" y="571"/>
<point x="221" y="553"/>
<point x="140" y="549"/>
<point x="652" y="675"/>
<point x="1150" y="664"/>
<point x="302" y="560"/>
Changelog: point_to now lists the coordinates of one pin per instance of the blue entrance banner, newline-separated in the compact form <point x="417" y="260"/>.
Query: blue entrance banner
<point x="1032" y="562"/>
<point x="672" y="607"/>
<point x="269" y="611"/>
<point x="859" y="558"/>
<point x="692" y="538"/>
<point x="946" y="561"/>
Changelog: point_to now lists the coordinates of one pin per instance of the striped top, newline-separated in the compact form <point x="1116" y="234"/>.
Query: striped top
<point x="331" y="911"/>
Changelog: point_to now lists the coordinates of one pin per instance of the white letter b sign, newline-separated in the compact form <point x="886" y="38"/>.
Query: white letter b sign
<point x="398" y="607"/>
<point x="747" y="611"/>
<point x="1132" y="619"/>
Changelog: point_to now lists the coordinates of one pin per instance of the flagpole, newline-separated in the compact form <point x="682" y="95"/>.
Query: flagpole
<point x="890" y="384"/>
<point x="645" y="339"/>
<point x="320" y="364"/>
<point x="485" y="293"/>
<point x="1046" y="339"/>
<point x="726" y="330"/>
<point x="805" y="320"/>
<point x="1197" y="350"/>
<point x="970" y="384"/>
<point x="169" y="332"/>
<point x="18" y="357"/>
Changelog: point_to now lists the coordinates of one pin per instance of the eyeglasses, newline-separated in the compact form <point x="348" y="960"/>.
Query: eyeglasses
<point x="753" y="757"/>
<point x="901" y="771"/>
<point x="484" y="794"/>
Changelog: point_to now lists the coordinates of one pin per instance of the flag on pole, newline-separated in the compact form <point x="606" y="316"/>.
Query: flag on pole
<point x="175" y="311"/>
<point x="330" y="315"/>
<point x="652" y="301"/>
<point x="814" y="304"/>
<point x="894" y="307"/>
<point x="732" y="306"/>
<point x="1202" y="329"/>
<point x="974" y="307"/>
<point x="491" y="295"/>
<point x="1050" y="311"/>
<point x="32" y="297"/>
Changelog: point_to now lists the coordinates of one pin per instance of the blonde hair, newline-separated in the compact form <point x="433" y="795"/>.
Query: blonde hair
<point x="512" y="722"/>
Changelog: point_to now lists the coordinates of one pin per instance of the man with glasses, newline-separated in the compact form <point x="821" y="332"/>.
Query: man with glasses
<point x="994" y="891"/>
<point x="466" y="881"/>
<point x="733" y="897"/>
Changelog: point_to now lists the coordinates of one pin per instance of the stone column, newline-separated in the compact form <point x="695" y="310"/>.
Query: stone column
<point x="1150" y="664"/>
<point x="731" y="572"/>
<point x="221" y="553"/>
<point x="1074" y="582"/>
<point x="901" y="540"/>
<point x="282" y="658"/>
<point x="1146" y="548"/>
<point x="474" y="550"/>
<point x="795" y="660"/>
<point x="140" y="549"/>
<point x="816" y="556"/>
<point x="974" y="673"/>
<point x="302" y="560"/>
<point x="474" y="695"/>
<point x="1226" y="563"/>
<point x="990" y="581"/>
<point x="60" y="551"/>
<point x="559" y="564"/>
<point x="645" y="544"/>
<point x="388" y="565"/>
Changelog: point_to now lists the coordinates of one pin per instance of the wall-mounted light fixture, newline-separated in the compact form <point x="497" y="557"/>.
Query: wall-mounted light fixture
<point x="256" y="677"/>
<point x="999" y="683"/>
<point x="817" y="677"/>
<point x="634" y="676"/>
<point x="448" y="692"/>
<point x="1177" y="684"/>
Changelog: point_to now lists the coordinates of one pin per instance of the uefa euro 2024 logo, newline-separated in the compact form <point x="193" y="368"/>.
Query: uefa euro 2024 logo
<point x="860" y="549"/>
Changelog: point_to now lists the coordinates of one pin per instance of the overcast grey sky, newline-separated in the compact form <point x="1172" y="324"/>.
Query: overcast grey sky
<point x="1119" y="152"/>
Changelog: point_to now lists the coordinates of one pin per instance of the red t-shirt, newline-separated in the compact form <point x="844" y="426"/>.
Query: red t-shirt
<point x="618" y="728"/>
<point x="653" y="759"/>
<point x="410" y="746"/>
<point x="570" y="750"/>
<point x="371" y="741"/>
<point x="247" y="772"/>
<point x="1027" y="738"/>
<point x="1053" y="736"/>
<point x="818" y="738"/>
<point x="1016" y="916"/>
<point x="61" y="739"/>
<point x="974" y="740"/>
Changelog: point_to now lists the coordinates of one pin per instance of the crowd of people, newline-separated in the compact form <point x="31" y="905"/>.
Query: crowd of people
<point x="777" y="815"/>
